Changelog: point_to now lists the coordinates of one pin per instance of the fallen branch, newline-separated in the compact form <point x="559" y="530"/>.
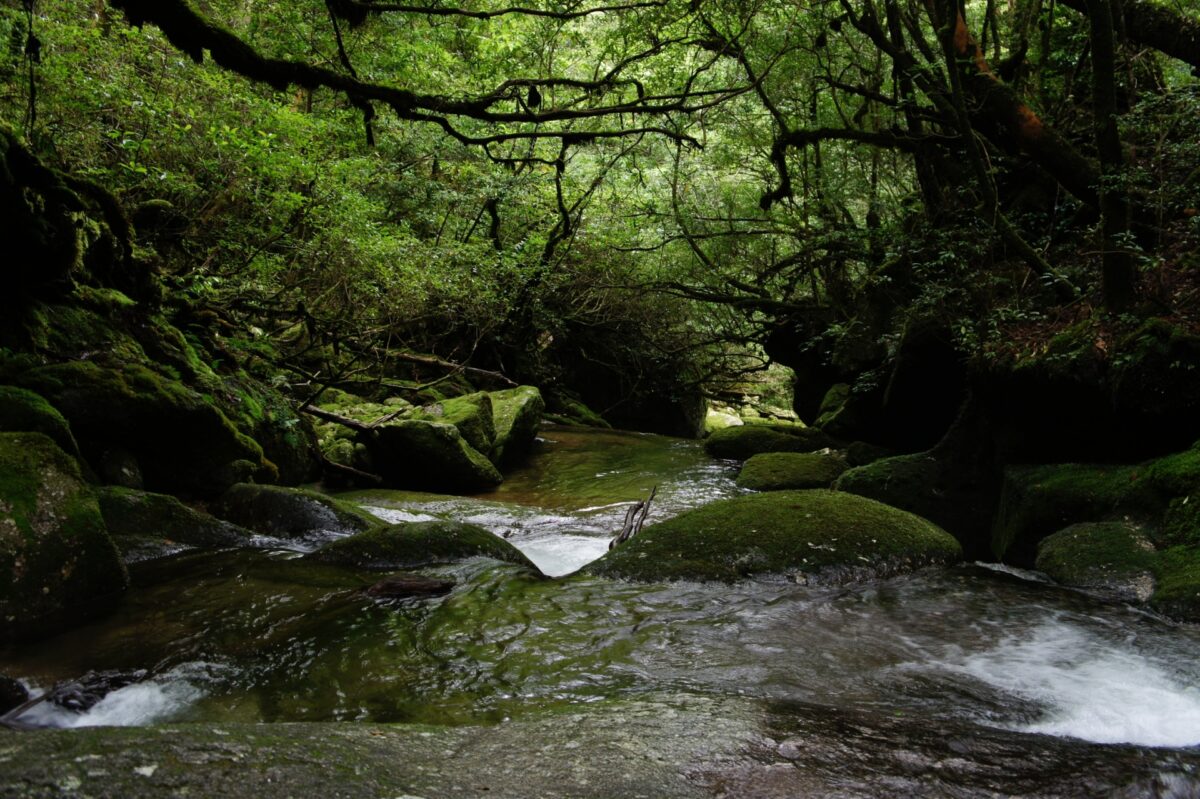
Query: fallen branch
<point x="345" y="421"/>
<point x="635" y="517"/>
<point x="429" y="360"/>
<point x="350" y="471"/>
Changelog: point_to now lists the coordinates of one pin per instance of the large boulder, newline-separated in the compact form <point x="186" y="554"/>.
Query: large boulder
<point x="413" y="544"/>
<point x="23" y="411"/>
<point x="778" y="471"/>
<point x="57" y="562"/>
<point x="145" y="525"/>
<point x="429" y="455"/>
<point x="827" y="535"/>
<point x="181" y="441"/>
<point x="472" y="414"/>
<point x="1114" y="560"/>
<point x="518" y="414"/>
<point x="740" y="443"/>
<point x="290" y="512"/>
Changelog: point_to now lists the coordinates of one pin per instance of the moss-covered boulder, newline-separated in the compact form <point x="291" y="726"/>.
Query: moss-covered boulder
<point x="57" y="561"/>
<point x="290" y="512"/>
<point x="1115" y="560"/>
<point x="429" y="455"/>
<point x="23" y="411"/>
<point x="1177" y="593"/>
<point x="1038" y="500"/>
<point x="145" y="525"/>
<point x="182" y="442"/>
<point x="414" y="544"/>
<point x="826" y="534"/>
<point x="518" y="413"/>
<point x="472" y="414"/>
<point x="777" y="471"/>
<point x="740" y="443"/>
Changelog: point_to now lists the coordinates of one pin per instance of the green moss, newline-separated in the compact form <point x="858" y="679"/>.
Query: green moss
<point x="740" y="443"/>
<point x="57" y="562"/>
<point x="774" y="471"/>
<point x="518" y="415"/>
<point x="1115" y="558"/>
<point x="413" y="544"/>
<point x="289" y="512"/>
<point x="1180" y="524"/>
<point x="24" y="411"/>
<point x="427" y="455"/>
<point x="786" y="531"/>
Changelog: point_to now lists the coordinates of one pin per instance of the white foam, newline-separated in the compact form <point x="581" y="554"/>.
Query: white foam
<point x="132" y="706"/>
<point x="562" y="554"/>
<point x="1089" y="688"/>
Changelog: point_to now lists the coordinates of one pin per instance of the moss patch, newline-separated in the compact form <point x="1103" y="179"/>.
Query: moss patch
<point x="740" y="443"/>
<point x="471" y="414"/>
<point x="775" y="471"/>
<point x="413" y="544"/>
<point x="57" y="563"/>
<point x="786" y="531"/>
<point x="428" y="455"/>
<point x="1178" y="590"/>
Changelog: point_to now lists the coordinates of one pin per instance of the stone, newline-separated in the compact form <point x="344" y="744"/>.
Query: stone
<point x="289" y="512"/>
<point x="740" y="443"/>
<point x="518" y="414"/>
<point x="776" y="471"/>
<point x="821" y="535"/>
<point x="1114" y="560"/>
<point x="23" y="411"/>
<point x="414" y="544"/>
<point x="145" y="525"/>
<point x="429" y="455"/>
<point x="57" y="562"/>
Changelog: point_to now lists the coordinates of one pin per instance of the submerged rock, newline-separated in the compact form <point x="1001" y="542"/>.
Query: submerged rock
<point x="290" y="512"/>
<point x="826" y="534"/>
<point x="740" y="443"/>
<point x="57" y="562"/>
<point x="405" y="586"/>
<point x="145" y="525"/>
<point x="412" y="544"/>
<point x="776" y="471"/>
<point x="1114" y="560"/>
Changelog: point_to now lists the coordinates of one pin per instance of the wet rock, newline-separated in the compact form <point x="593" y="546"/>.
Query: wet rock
<point x="145" y="525"/>
<point x="404" y="586"/>
<point x="471" y="414"/>
<point x="518" y="414"/>
<point x="289" y="512"/>
<point x="1114" y="560"/>
<point x="431" y="456"/>
<point x="84" y="693"/>
<point x="822" y="535"/>
<point x="740" y="443"/>
<point x="57" y="562"/>
<point x="777" y="471"/>
<point x="413" y="544"/>
<point x="119" y="467"/>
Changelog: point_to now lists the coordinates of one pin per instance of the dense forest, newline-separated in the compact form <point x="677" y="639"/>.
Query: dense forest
<point x="940" y="257"/>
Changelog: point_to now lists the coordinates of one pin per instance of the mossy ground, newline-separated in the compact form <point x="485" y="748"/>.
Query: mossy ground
<point x="776" y="471"/>
<point x="778" y="532"/>
<point x="415" y="544"/>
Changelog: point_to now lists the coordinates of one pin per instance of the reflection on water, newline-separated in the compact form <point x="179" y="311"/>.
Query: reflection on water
<point x="266" y="636"/>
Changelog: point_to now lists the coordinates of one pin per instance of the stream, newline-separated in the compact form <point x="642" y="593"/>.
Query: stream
<point x="975" y="680"/>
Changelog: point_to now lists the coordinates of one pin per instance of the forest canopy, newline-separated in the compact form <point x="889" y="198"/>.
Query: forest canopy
<point x="675" y="192"/>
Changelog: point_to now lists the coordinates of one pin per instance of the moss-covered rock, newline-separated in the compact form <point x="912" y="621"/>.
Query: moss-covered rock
<point x="23" y="411"/>
<point x="57" y="561"/>
<point x="182" y="442"/>
<point x="831" y="535"/>
<point x="740" y="443"/>
<point x="145" y="525"/>
<point x="289" y="512"/>
<point x="414" y="544"/>
<point x="1178" y="591"/>
<point x="1112" y="559"/>
<point x="429" y="455"/>
<point x="471" y="414"/>
<point x="776" y="471"/>
<point x="518" y="414"/>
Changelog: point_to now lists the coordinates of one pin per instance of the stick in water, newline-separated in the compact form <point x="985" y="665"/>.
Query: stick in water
<point x="635" y="517"/>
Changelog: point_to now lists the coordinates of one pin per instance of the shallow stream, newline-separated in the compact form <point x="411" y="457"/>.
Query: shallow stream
<point x="1040" y="687"/>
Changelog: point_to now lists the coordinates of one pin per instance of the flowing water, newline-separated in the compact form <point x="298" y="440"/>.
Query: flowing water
<point x="1031" y="687"/>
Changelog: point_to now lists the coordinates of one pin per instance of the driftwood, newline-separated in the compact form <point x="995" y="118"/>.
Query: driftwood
<point x="635" y="517"/>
